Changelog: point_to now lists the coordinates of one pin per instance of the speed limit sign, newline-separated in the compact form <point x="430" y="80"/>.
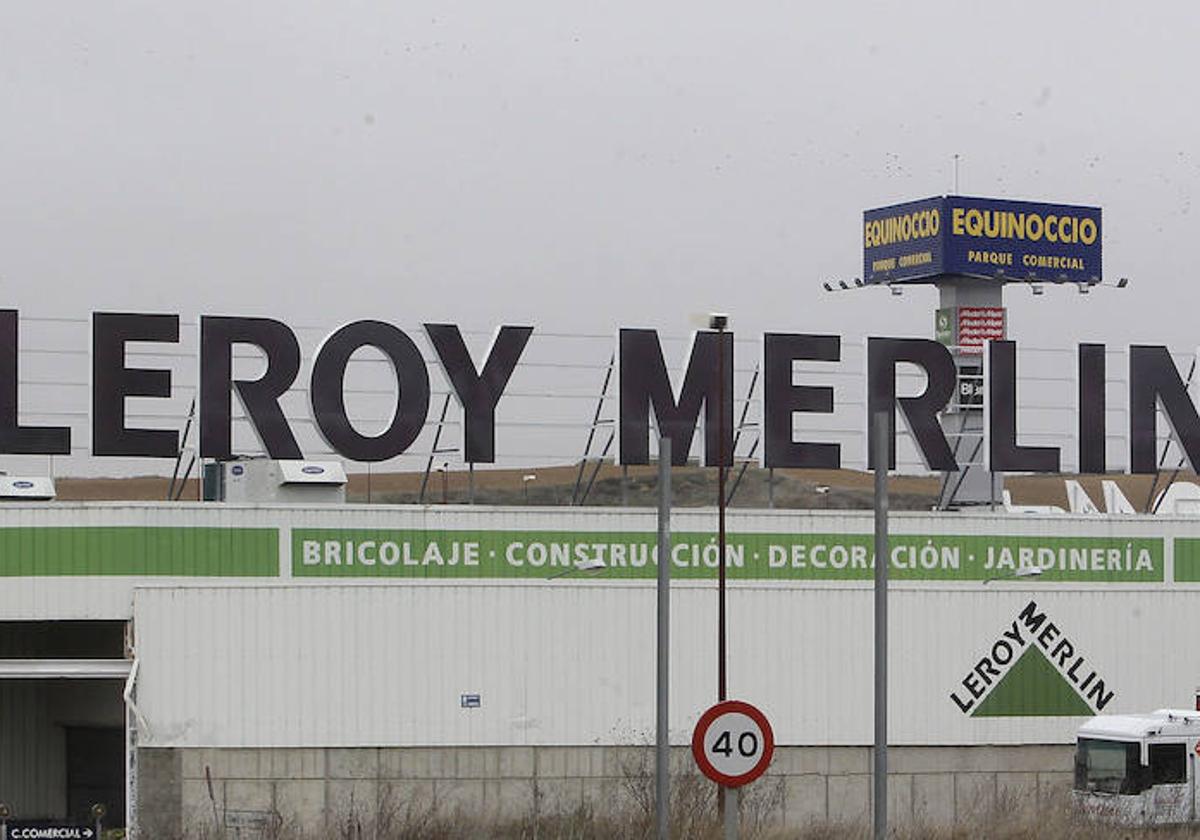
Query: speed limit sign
<point x="733" y="743"/>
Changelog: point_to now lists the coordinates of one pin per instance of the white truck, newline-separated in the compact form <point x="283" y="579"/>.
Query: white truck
<point x="1139" y="769"/>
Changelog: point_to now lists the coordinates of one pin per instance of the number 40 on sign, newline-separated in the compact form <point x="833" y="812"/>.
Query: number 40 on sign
<point x="733" y="743"/>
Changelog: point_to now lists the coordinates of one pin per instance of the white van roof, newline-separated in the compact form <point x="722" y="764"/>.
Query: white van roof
<point x="1135" y="727"/>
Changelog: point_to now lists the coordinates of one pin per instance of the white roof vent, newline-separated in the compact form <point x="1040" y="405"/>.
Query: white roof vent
<point x="311" y="472"/>
<point x="1181" y="498"/>
<point x="262" y="481"/>
<point x="26" y="488"/>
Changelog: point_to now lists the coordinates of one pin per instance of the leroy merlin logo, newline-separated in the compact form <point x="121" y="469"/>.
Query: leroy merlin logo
<point x="1032" y="669"/>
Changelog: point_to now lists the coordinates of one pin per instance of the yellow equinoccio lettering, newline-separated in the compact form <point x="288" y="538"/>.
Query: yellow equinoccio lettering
<point x="890" y="230"/>
<point x="996" y="224"/>
<point x="1034" y="227"/>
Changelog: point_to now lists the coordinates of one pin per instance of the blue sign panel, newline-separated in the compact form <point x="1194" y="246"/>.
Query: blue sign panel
<point x="904" y="241"/>
<point x="982" y="237"/>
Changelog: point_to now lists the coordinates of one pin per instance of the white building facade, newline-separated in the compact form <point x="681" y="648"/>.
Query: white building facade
<point x="306" y="661"/>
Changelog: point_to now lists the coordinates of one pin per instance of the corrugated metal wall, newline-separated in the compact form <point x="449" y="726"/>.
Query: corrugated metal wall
<point x="240" y="647"/>
<point x="572" y="661"/>
<point x="33" y="751"/>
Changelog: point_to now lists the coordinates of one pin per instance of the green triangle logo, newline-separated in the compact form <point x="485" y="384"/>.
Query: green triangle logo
<point x="1033" y="688"/>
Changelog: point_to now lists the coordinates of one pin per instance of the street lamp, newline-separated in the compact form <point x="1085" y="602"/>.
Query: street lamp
<point x="822" y="490"/>
<point x="720" y="322"/>
<point x="726" y="796"/>
<point x="592" y="566"/>
<point x="1024" y="571"/>
<point x="443" y="470"/>
<point x="525" y="479"/>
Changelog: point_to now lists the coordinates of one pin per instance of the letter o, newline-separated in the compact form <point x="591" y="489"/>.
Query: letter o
<point x="1087" y="231"/>
<point x="536" y="554"/>
<point x="839" y="557"/>
<point x="1004" y="646"/>
<point x="1030" y="227"/>
<point x="328" y="398"/>
<point x="389" y="553"/>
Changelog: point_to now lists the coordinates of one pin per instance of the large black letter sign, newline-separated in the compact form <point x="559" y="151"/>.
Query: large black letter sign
<point x="260" y="396"/>
<point x="644" y="383"/>
<point x="1004" y="455"/>
<point x="782" y="399"/>
<point x="112" y="383"/>
<point x="921" y="412"/>
<point x="1153" y="378"/>
<point x="16" y="439"/>
<point x="478" y="393"/>
<point x="329" y="399"/>
<point x="1093" y="455"/>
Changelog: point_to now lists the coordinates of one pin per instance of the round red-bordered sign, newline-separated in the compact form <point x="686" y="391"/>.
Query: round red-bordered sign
<point x="733" y="743"/>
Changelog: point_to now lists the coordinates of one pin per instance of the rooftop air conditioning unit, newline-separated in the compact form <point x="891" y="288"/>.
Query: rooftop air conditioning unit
<point x="19" y="488"/>
<point x="263" y="481"/>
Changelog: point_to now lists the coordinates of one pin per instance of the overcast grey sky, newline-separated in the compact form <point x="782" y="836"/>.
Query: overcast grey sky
<point x="579" y="166"/>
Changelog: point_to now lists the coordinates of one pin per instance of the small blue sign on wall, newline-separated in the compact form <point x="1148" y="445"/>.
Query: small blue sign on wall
<point x="989" y="238"/>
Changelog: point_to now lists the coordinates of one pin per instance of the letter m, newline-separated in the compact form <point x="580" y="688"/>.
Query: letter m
<point x="1032" y="618"/>
<point x="644" y="383"/>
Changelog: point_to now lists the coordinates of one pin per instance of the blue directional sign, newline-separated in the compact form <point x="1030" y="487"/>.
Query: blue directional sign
<point x="47" y="830"/>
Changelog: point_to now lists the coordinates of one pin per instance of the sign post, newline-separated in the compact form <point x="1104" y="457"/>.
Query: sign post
<point x="662" y="745"/>
<point x="732" y="744"/>
<point x="879" y="798"/>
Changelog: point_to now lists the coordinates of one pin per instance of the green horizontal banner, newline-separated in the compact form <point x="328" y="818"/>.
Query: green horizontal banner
<point x="385" y="553"/>
<point x="1187" y="560"/>
<point x="182" y="552"/>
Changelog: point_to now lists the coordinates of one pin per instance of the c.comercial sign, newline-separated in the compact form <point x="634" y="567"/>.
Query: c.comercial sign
<point x="644" y="388"/>
<point x="982" y="237"/>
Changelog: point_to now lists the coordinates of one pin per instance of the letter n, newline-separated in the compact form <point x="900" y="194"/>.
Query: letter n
<point x="1154" y="379"/>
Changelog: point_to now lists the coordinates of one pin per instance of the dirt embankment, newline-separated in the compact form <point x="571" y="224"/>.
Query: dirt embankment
<point x="636" y="486"/>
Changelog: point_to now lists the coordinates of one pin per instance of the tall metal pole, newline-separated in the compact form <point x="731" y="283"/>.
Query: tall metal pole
<point x="721" y="676"/>
<point x="662" y="748"/>
<point x="880" y="434"/>
<point x="726" y="797"/>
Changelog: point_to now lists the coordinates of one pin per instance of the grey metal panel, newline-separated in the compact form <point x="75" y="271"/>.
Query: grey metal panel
<point x="573" y="663"/>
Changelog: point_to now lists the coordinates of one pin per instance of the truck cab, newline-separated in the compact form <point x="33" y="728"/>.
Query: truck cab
<point x="1138" y="769"/>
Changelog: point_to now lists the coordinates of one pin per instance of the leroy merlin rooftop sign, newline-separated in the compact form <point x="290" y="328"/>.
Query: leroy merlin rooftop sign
<point x="644" y="387"/>
<point x="1033" y="668"/>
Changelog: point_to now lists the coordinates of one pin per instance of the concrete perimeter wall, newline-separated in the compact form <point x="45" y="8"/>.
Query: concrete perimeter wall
<point x="315" y="788"/>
